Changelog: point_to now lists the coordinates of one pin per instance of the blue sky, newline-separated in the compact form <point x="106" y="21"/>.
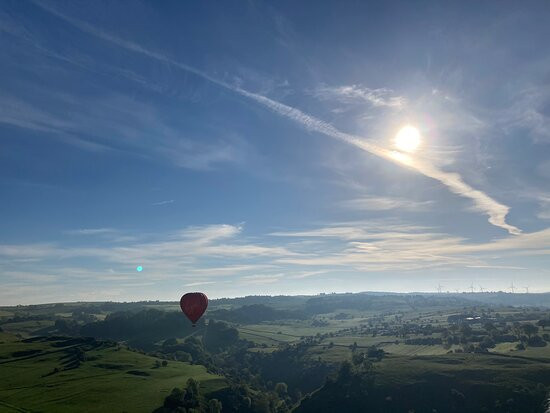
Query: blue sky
<point x="248" y="148"/>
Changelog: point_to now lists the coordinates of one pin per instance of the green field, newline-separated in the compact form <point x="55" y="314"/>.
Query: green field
<point x="343" y="333"/>
<point x="424" y="347"/>
<point x="111" y="378"/>
<point x="27" y="328"/>
<point x="481" y="368"/>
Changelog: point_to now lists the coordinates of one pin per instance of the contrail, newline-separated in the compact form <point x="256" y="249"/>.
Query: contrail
<point x="482" y="202"/>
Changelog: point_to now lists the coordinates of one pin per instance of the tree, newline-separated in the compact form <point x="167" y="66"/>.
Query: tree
<point x="281" y="389"/>
<point x="466" y="331"/>
<point x="544" y="323"/>
<point x="186" y="400"/>
<point x="517" y="329"/>
<point x="376" y="353"/>
<point x="345" y="371"/>
<point x="170" y="342"/>
<point x="219" y="336"/>
<point x="457" y="400"/>
<point x="520" y="346"/>
<point x="175" y="399"/>
<point x="487" y="342"/>
<point x="192" y="394"/>
<point x="64" y="326"/>
<point x="357" y="358"/>
<point x="214" y="406"/>
<point x="529" y="329"/>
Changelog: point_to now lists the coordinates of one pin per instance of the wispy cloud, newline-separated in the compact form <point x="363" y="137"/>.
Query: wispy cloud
<point x="190" y="154"/>
<point x="385" y="203"/>
<point x="381" y="97"/>
<point x="228" y="270"/>
<point x="373" y="248"/>
<point x="212" y="254"/>
<point x="18" y="113"/>
<point x="206" y="234"/>
<point x="544" y="206"/>
<point x="496" y="211"/>
<point x="31" y="276"/>
<point x="169" y="201"/>
<point x="195" y="284"/>
<point x="262" y="279"/>
<point x="130" y="121"/>
<point x="177" y="252"/>
<point x="482" y="202"/>
<point x="359" y="230"/>
<point x="497" y="267"/>
<point x="306" y="274"/>
<point x="543" y="169"/>
<point x="529" y="112"/>
<point x="92" y="231"/>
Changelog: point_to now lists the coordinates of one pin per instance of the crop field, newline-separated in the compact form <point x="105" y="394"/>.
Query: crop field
<point x="51" y="365"/>
<point x="474" y="367"/>
<point x="27" y="328"/>
<point x="5" y="314"/>
<point x="46" y="375"/>
<point x="338" y="335"/>
<point x="413" y="350"/>
<point x="537" y="352"/>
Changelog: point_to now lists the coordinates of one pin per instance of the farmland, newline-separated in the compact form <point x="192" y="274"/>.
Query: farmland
<point x="129" y="356"/>
<point x="60" y="375"/>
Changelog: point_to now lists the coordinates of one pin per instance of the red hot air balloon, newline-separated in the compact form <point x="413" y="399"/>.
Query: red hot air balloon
<point x="193" y="306"/>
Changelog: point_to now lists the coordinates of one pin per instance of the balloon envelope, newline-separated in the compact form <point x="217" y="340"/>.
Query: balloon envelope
<point x="193" y="305"/>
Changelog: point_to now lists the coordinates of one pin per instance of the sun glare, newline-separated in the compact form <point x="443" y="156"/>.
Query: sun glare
<point x="407" y="139"/>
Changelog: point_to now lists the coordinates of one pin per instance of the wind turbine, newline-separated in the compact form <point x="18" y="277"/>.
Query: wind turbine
<point x="480" y="288"/>
<point x="512" y="287"/>
<point x="472" y="287"/>
<point x="439" y="286"/>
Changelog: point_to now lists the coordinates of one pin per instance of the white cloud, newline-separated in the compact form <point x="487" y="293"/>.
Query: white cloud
<point x="208" y="233"/>
<point x="31" y="276"/>
<point x="191" y="154"/>
<point x="528" y="112"/>
<point x="199" y="283"/>
<point x="306" y="274"/>
<point x="169" y="201"/>
<point x="381" y="97"/>
<point x="497" y="267"/>
<point x="228" y="270"/>
<point x="378" y="249"/>
<point x="482" y="202"/>
<point x="262" y="279"/>
<point x="360" y="230"/>
<point x="543" y="169"/>
<point x="92" y="231"/>
<point x="130" y="122"/>
<point x="385" y="203"/>
<point x="212" y="254"/>
<point x="183" y="251"/>
<point x="27" y="251"/>
<point x="544" y="206"/>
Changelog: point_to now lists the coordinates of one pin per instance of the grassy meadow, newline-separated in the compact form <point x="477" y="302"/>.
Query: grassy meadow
<point x="109" y="378"/>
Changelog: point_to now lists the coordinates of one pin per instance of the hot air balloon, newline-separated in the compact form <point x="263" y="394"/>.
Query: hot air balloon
<point x="193" y="306"/>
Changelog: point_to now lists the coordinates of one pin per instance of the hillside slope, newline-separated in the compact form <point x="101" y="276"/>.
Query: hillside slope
<point x="59" y="374"/>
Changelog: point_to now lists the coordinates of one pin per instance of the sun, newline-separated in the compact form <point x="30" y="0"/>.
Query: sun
<point x="407" y="139"/>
